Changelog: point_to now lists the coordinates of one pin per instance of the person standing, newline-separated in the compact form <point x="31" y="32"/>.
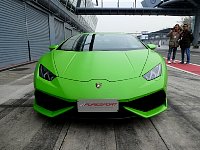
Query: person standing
<point x="174" y="36"/>
<point x="186" y="39"/>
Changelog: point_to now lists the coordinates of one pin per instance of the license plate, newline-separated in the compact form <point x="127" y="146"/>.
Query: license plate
<point x="105" y="105"/>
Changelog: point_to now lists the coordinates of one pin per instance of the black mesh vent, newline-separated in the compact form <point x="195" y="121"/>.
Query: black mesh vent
<point x="51" y="103"/>
<point x="147" y="103"/>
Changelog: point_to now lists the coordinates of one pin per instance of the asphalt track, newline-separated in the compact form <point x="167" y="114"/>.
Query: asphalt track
<point x="178" y="128"/>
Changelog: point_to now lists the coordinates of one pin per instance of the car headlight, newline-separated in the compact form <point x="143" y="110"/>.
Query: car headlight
<point x="153" y="73"/>
<point x="45" y="73"/>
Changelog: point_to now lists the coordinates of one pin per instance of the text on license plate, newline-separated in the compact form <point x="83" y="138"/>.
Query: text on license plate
<point x="105" y="105"/>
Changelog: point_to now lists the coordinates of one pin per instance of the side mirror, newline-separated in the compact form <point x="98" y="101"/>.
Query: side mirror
<point x="52" y="47"/>
<point x="151" y="46"/>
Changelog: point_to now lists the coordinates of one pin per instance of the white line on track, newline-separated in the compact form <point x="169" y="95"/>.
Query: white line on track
<point x="15" y="94"/>
<point x="194" y="55"/>
<point x="190" y="54"/>
<point x="22" y="78"/>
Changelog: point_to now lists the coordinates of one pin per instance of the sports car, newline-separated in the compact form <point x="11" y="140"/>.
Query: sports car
<point x="101" y="73"/>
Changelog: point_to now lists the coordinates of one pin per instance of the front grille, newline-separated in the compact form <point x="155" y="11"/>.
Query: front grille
<point x="51" y="103"/>
<point x="147" y="103"/>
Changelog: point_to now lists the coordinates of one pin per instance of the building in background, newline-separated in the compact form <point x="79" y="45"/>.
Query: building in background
<point x="28" y="27"/>
<point x="144" y="36"/>
<point x="158" y="38"/>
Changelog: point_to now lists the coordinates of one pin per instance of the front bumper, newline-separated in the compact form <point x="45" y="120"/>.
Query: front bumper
<point x="135" y="96"/>
<point x="146" y="106"/>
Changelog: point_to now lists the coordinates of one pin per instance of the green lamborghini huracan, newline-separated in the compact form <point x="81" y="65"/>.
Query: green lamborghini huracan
<point x="101" y="73"/>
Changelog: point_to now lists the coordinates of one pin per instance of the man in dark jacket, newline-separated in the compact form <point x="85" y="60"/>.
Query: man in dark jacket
<point x="186" y="39"/>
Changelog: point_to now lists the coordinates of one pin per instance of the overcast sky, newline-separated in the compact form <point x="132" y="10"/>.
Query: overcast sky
<point x="132" y="24"/>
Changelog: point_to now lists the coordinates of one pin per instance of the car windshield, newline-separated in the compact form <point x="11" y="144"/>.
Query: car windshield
<point x="102" y="42"/>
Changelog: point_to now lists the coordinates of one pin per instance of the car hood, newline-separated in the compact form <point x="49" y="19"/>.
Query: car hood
<point x="100" y="65"/>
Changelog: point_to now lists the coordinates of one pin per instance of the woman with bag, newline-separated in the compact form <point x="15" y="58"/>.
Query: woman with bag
<point x="174" y="35"/>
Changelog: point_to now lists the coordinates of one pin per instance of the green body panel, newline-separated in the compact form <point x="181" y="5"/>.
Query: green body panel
<point x="111" y="66"/>
<point x="125" y="90"/>
<point x="49" y="113"/>
<point x="151" y="46"/>
<point x="119" y="72"/>
<point x="148" y="114"/>
<point x="52" y="47"/>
